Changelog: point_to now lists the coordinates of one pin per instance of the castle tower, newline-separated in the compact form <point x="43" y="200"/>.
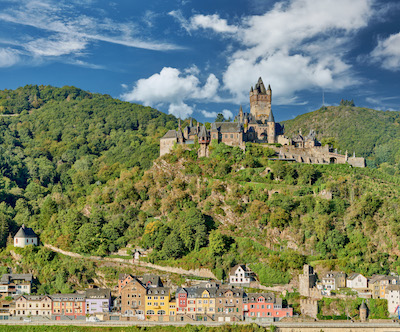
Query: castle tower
<point x="204" y="141"/>
<point x="241" y="114"/>
<point x="260" y="101"/>
<point x="306" y="280"/>
<point x="271" y="128"/>
<point x="363" y="312"/>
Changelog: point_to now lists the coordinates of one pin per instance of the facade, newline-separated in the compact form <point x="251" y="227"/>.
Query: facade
<point x="98" y="300"/>
<point x="374" y="286"/>
<point x="264" y="307"/>
<point x="241" y="275"/>
<point x="229" y="304"/>
<point x="133" y="297"/>
<point x="24" y="237"/>
<point x="123" y="279"/>
<point x="357" y="281"/>
<point x="157" y="303"/>
<point x="15" y="284"/>
<point x="68" y="305"/>
<point x="393" y="298"/>
<point x="333" y="280"/>
<point x="33" y="305"/>
<point x="257" y="126"/>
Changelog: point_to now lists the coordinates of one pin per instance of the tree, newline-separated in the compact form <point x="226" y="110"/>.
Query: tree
<point x="220" y="118"/>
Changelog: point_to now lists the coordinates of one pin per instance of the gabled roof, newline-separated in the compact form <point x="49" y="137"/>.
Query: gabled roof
<point x="25" y="232"/>
<point x="227" y="127"/>
<point x="152" y="280"/>
<point x="170" y="134"/>
<point x="9" y="277"/>
<point x="353" y="276"/>
<point x="98" y="293"/>
<point x="244" y="267"/>
<point x="123" y="276"/>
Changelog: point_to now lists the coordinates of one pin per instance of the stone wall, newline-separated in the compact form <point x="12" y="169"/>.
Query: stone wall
<point x="309" y="307"/>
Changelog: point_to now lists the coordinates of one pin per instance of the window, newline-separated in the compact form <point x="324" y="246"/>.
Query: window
<point x="150" y="312"/>
<point x="231" y="135"/>
<point x="161" y="312"/>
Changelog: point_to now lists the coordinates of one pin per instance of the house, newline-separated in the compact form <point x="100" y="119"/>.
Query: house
<point x="98" y="300"/>
<point x="264" y="308"/>
<point x="333" y="280"/>
<point x="123" y="279"/>
<point x="374" y="285"/>
<point x="24" y="237"/>
<point x="157" y="303"/>
<point x="229" y="305"/>
<point x="133" y="298"/>
<point x="356" y="281"/>
<point x="67" y="306"/>
<point x="241" y="275"/>
<point x="393" y="298"/>
<point x="4" y="310"/>
<point x="385" y="282"/>
<point x="15" y="284"/>
<point x="33" y="305"/>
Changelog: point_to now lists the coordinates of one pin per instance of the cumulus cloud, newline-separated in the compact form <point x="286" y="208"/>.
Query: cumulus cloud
<point x="296" y="45"/>
<point x="387" y="52"/>
<point x="8" y="57"/>
<point x="226" y="113"/>
<point x="196" y="22"/>
<point x="175" y="88"/>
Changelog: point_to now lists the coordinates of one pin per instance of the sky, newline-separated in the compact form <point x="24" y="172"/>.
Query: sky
<point x="196" y="58"/>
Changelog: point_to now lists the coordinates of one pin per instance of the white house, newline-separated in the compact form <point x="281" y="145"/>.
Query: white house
<point x="393" y="298"/>
<point x="24" y="237"/>
<point x="356" y="281"/>
<point x="241" y="275"/>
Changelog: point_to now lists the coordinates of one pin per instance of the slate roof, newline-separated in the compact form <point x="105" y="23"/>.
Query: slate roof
<point x="269" y="297"/>
<point x="26" y="232"/>
<point x="9" y="277"/>
<point x="68" y="297"/>
<point x="363" y="305"/>
<point x="271" y="117"/>
<point x="194" y="292"/>
<point x="98" y="293"/>
<point x="236" y="292"/>
<point x="123" y="276"/>
<point x="226" y="127"/>
<point x="158" y="291"/>
<point x="353" y="276"/>
<point x="152" y="280"/>
<point x="170" y="134"/>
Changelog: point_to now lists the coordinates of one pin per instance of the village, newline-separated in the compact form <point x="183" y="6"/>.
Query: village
<point x="148" y="298"/>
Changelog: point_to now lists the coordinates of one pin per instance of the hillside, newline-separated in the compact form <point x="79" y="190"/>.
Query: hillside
<point x="371" y="134"/>
<point x="83" y="170"/>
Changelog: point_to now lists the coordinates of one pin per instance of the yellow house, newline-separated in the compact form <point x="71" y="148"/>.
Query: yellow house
<point x="206" y="302"/>
<point x="157" y="304"/>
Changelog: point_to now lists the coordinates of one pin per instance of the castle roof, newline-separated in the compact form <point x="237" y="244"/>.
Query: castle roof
<point x="226" y="127"/>
<point x="260" y="87"/>
<point x="363" y="305"/>
<point x="170" y="134"/>
<point x="204" y="132"/>
<point x="271" y="117"/>
<point x="25" y="232"/>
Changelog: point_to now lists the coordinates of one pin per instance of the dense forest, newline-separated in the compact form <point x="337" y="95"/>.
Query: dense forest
<point x="83" y="170"/>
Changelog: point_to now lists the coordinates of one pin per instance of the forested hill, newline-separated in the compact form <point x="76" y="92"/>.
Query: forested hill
<point x="68" y="140"/>
<point x="372" y="134"/>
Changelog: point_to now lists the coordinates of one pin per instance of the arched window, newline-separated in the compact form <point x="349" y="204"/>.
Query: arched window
<point x="150" y="312"/>
<point x="161" y="312"/>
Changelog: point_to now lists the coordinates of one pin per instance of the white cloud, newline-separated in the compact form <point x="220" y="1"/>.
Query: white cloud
<point x="387" y="52"/>
<point x="56" y="45"/>
<point x="296" y="45"/>
<point x="8" y="57"/>
<point x="213" y="22"/>
<point x="175" y="88"/>
<point x="226" y="113"/>
<point x="63" y="18"/>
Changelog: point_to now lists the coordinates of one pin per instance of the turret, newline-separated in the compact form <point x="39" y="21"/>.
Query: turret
<point x="271" y="128"/>
<point x="240" y="114"/>
<point x="260" y="100"/>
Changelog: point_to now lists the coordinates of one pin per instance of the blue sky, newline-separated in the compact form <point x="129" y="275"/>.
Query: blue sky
<point x="199" y="58"/>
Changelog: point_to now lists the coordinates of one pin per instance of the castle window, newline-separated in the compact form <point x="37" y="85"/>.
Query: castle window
<point x="226" y="135"/>
<point x="231" y="135"/>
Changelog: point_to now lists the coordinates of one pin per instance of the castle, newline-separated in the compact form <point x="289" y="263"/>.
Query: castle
<point x="258" y="126"/>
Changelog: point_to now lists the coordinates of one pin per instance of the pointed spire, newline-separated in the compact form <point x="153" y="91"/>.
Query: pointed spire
<point x="241" y="110"/>
<point x="271" y="117"/>
<point x="251" y="90"/>
<point x="269" y="87"/>
<point x="191" y="123"/>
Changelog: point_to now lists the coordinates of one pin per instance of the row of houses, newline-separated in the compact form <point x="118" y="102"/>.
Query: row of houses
<point x="59" y="306"/>
<point x="146" y="298"/>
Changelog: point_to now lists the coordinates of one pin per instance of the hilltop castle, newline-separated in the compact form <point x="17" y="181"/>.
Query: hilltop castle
<point x="258" y="126"/>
